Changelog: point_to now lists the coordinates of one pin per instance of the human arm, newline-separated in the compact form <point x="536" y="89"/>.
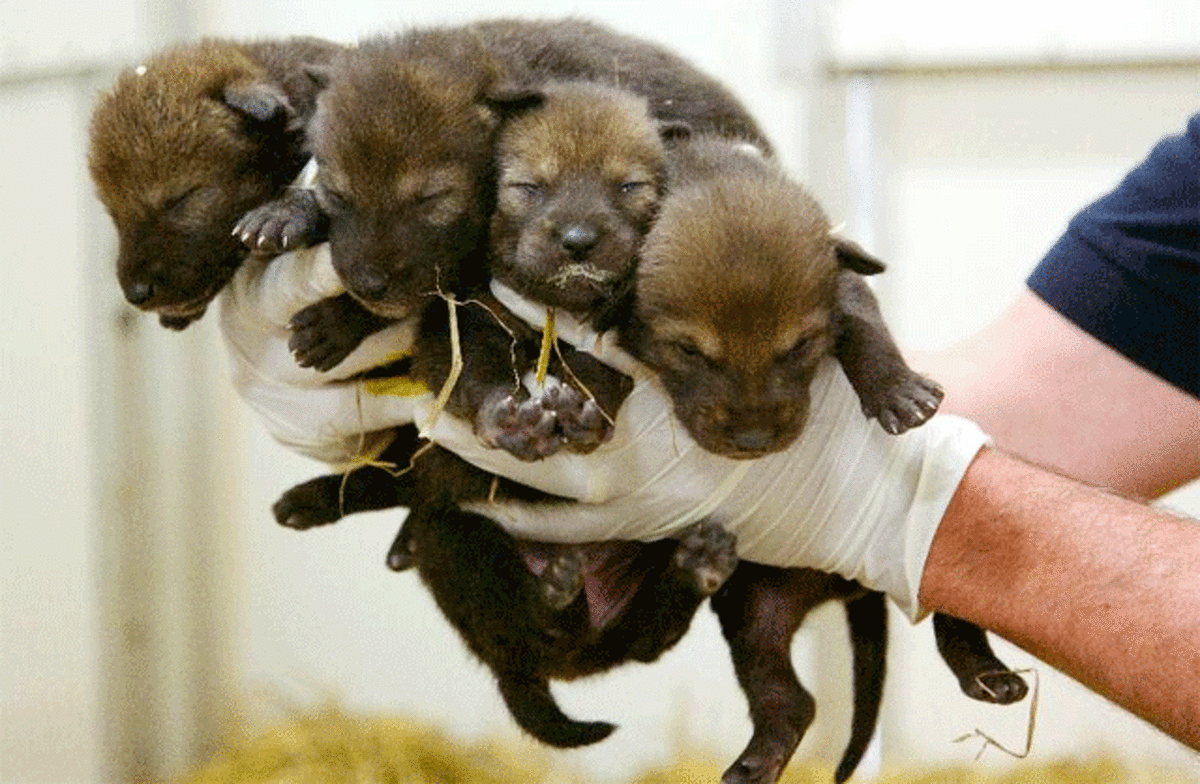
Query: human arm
<point x="1104" y="588"/>
<point x="1096" y="369"/>
<point x="1046" y="390"/>
<point x="1093" y="372"/>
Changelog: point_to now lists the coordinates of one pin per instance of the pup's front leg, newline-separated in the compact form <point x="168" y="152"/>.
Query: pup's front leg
<point x="887" y="387"/>
<point x="328" y="331"/>
<point x="295" y="220"/>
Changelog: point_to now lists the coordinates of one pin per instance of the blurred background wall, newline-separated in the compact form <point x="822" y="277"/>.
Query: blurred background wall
<point x="147" y="597"/>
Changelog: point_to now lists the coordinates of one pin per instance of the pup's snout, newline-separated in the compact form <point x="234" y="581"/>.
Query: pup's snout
<point x="139" y="292"/>
<point x="369" y="282"/>
<point x="578" y="238"/>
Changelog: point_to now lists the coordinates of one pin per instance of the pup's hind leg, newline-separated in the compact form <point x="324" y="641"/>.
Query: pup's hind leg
<point x="887" y="387"/>
<point x="327" y="499"/>
<point x="485" y="589"/>
<point x="760" y="609"/>
<point x="662" y="609"/>
<point x="966" y="651"/>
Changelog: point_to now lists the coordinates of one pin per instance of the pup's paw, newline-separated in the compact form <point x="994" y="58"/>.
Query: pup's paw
<point x="708" y="554"/>
<point x="402" y="555"/>
<point x="907" y="403"/>
<point x="999" y="687"/>
<point x="177" y="322"/>
<point x="308" y="505"/>
<point x="525" y="430"/>
<point x="290" y="222"/>
<point x="581" y="423"/>
<point x="562" y="581"/>
<point x="328" y="331"/>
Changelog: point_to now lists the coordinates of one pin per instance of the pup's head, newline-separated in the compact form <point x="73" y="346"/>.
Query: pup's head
<point x="735" y="308"/>
<point x="180" y="148"/>
<point x="580" y="177"/>
<point x="404" y="142"/>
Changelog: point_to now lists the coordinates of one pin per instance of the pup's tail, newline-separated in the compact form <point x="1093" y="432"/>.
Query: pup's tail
<point x="531" y="704"/>
<point x="867" y="619"/>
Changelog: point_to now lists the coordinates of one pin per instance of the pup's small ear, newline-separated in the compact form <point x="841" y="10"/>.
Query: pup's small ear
<point x="509" y="100"/>
<point x="851" y="256"/>
<point x="674" y="131"/>
<point x="261" y="103"/>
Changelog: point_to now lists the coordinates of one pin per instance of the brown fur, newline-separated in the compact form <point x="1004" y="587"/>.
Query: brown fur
<point x="534" y="612"/>
<point x="182" y="146"/>
<point x="577" y="148"/>
<point x="582" y="157"/>
<point x="561" y="166"/>
<point x="581" y="174"/>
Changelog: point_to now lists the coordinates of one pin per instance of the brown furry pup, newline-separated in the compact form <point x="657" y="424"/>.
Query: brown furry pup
<point x="738" y="357"/>
<point x="183" y="145"/>
<point x="580" y="176"/>
<point x="742" y="290"/>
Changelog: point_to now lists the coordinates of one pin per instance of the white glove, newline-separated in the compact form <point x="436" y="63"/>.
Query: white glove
<point x="846" y="497"/>
<point x="328" y="416"/>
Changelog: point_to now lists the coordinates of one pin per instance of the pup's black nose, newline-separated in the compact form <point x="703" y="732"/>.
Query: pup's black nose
<point x="139" y="293"/>
<point x="577" y="238"/>
<point x="370" y="282"/>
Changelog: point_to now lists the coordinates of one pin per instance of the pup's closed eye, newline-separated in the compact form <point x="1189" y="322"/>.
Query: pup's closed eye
<point x="690" y="352"/>
<point x="175" y="206"/>
<point x="530" y="191"/>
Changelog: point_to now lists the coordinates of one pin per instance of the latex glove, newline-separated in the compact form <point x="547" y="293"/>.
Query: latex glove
<point x="846" y="497"/>
<point x="328" y="416"/>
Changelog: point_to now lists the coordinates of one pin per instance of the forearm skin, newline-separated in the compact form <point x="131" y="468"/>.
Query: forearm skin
<point x="1101" y="587"/>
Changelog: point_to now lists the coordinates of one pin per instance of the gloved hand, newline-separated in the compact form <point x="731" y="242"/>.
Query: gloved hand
<point x="845" y="498"/>
<point x="330" y="416"/>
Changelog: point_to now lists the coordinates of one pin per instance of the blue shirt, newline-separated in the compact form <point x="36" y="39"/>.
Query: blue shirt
<point x="1127" y="270"/>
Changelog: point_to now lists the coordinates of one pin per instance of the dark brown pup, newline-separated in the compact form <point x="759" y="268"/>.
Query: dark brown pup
<point x="183" y="145"/>
<point x="741" y="292"/>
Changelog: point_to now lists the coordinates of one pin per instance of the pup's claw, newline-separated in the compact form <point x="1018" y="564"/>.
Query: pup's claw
<point x="1002" y="687"/>
<point x="294" y="220"/>
<point x="402" y="555"/>
<point x="306" y="506"/>
<point x="907" y="403"/>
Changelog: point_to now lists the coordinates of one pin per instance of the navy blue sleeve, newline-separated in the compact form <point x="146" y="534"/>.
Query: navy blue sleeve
<point x="1127" y="270"/>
